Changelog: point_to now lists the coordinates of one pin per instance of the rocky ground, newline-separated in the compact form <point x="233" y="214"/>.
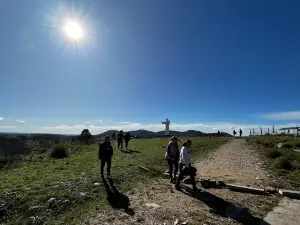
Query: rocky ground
<point x="159" y="203"/>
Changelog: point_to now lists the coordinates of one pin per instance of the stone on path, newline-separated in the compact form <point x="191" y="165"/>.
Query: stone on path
<point x="153" y="205"/>
<point x="286" y="213"/>
<point x="235" y="187"/>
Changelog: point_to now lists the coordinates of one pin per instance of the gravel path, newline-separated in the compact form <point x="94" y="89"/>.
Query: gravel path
<point x="159" y="203"/>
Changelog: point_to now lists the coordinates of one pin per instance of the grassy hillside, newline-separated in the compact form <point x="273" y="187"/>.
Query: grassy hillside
<point x="73" y="184"/>
<point x="285" y="161"/>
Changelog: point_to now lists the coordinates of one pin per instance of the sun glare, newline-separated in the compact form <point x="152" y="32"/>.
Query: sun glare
<point x="73" y="30"/>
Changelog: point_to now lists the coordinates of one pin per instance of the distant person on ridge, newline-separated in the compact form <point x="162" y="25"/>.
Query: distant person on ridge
<point x="120" y="140"/>
<point x="127" y="138"/>
<point x="172" y="156"/>
<point x="113" y="136"/>
<point x="241" y="132"/>
<point x="234" y="132"/>
<point x="186" y="166"/>
<point x="105" y="154"/>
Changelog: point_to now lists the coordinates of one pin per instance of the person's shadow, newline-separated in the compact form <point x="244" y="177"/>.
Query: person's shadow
<point x="223" y="208"/>
<point x="129" y="151"/>
<point x="116" y="199"/>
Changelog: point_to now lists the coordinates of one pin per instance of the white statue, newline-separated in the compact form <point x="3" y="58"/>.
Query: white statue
<point x="167" y="124"/>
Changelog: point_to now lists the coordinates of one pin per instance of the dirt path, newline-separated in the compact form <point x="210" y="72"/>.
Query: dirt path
<point x="159" y="203"/>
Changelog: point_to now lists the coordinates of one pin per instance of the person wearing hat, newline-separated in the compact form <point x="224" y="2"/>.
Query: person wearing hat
<point x="185" y="165"/>
<point x="120" y="138"/>
<point x="105" y="154"/>
<point x="172" y="156"/>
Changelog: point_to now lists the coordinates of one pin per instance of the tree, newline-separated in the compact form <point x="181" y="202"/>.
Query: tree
<point x="85" y="135"/>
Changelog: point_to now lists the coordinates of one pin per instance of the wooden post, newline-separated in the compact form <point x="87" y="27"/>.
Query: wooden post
<point x="260" y="131"/>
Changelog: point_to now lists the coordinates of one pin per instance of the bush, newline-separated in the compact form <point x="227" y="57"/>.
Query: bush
<point x="258" y="142"/>
<point x="297" y="145"/>
<point x="273" y="154"/>
<point x="283" y="163"/>
<point x="287" y="145"/>
<point x="59" y="151"/>
<point x="269" y="145"/>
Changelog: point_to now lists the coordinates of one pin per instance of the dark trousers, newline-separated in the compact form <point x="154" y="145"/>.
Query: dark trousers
<point x="187" y="171"/>
<point x="126" y="144"/>
<point x="103" y="161"/>
<point x="171" y="165"/>
<point x="120" y="144"/>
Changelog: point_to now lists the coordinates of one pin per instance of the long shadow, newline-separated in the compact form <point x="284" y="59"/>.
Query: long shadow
<point x="116" y="199"/>
<point x="129" y="151"/>
<point x="224" y="208"/>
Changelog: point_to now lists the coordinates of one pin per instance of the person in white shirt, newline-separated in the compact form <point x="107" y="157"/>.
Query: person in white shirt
<point x="185" y="165"/>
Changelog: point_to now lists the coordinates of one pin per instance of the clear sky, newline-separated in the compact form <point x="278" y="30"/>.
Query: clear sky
<point x="203" y="64"/>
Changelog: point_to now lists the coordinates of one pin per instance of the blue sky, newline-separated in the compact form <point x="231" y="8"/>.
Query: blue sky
<point x="203" y="64"/>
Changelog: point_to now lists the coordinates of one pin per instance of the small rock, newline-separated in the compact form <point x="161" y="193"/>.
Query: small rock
<point x="176" y="222"/>
<point x="154" y="205"/>
<point x="257" y="178"/>
<point x="51" y="200"/>
<point x="82" y="194"/>
<point x="139" y="220"/>
<point x="279" y="145"/>
<point x="96" y="184"/>
<point x="185" y="222"/>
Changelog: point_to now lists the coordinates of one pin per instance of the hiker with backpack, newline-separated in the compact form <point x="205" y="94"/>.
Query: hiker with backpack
<point x="120" y="138"/>
<point x="127" y="138"/>
<point x="172" y="156"/>
<point x="105" y="154"/>
<point x="186" y="166"/>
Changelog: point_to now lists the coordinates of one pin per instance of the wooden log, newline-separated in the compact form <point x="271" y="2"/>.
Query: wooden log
<point x="240" y="188"/>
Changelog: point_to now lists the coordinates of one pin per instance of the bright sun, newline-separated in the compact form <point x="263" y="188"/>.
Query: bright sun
<point x="73" y="30"/>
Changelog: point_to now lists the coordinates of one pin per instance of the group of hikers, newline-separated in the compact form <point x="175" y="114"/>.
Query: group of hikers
<point x="240" y="131"/>
<point x="120" y="138"/>
<point x="177" y="159"/>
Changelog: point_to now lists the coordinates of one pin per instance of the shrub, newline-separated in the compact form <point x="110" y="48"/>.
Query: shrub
<point x="269" y="145"/>
<point x="287" y="145"/>
<point x="273" y="154"/>
<point x="59" y="151"/>
<point x="283" y="163"/>
<point x="297" y="145"/>
<point x="258" y="142"/>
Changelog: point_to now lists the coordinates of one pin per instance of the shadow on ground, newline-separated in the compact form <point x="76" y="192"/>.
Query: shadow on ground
<point x="223" y="208"/>
<point x="116" y="199"/>
<point x="129" y="151"/>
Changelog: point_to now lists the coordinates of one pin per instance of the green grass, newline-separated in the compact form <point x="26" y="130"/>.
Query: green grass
<point x="34" y="183"/>
<point x="284" y="160"/>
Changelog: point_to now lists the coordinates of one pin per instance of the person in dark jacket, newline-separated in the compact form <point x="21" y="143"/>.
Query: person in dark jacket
<point x="172" y="156"/>
<point x="127" y="138"/>
<point x="120" y="140"/>
<point x="105" y="154"/>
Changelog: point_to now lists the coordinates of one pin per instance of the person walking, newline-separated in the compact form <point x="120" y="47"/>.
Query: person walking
<point x="234" y="132"/>
<point x="120" y="138"/>
<point x="127" y="138"/>
<point x="186" y="166"/>
<point x="241" y="132"/>
<point x="172" y="156"/>
<point x="105" y="155"/>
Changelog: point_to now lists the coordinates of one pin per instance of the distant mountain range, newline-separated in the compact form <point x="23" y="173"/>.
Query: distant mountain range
<point x="140" y="133"/>
<point x="151" y="134"/>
